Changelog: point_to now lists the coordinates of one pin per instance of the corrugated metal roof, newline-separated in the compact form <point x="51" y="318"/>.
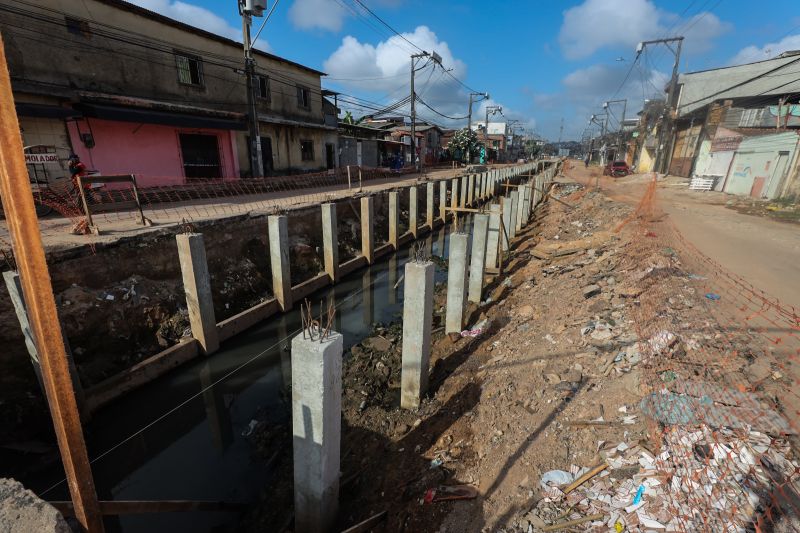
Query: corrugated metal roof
<point x="764" y="78"/>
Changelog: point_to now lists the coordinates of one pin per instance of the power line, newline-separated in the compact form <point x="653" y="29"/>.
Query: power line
<point x="359" y="2"/>
<point x="745" y="82"/>
<point x="421" y="101"/>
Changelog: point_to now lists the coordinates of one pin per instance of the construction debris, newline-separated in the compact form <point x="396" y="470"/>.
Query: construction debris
<point x="668" y="490"/>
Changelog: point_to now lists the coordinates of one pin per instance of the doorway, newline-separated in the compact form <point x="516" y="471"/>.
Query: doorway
<point x="266" y="156"/>
<point x="200" y="154"/>
<point x="330" y="156"/>
<point x="778" y="174"/>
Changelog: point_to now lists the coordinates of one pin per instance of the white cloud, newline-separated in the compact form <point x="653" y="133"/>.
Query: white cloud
<point x="198" y="17"/>
<point x="326" y="14"/>
<point x="384" y="68"/>
<point x="597" y="24"/>
<point x="753" y="53"/>
<point x="584" y="91"/>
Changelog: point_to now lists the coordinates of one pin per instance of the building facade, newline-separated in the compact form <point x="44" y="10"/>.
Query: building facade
<point x="739" y="126"/>
<point x="134" y="92"/>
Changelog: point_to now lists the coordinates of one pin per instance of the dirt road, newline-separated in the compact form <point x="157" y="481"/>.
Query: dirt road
<point x="763" y="251"/>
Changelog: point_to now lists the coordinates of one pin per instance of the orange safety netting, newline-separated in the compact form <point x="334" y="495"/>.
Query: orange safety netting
<point x="720" y="381"/>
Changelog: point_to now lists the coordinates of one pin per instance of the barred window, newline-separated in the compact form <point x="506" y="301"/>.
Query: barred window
<point x="190" y="69"/>
<point x="262" y="87"/>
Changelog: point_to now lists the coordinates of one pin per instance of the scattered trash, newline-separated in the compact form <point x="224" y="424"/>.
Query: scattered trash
<point x="696" y="276"/>
<point x="662" y="340"/>
<point x="638" y="497"/>
<point x="556" y="478"/>
<point x="251" y="427"/>
<point x="471" y="332"/>
<point x="444" y="493"/>
<point x="668" y="376"/>
<point x="110" y="297"/>
<point x="591" y="290"/>
<point x="437" y="462"/>
<point x="713" y="296"/>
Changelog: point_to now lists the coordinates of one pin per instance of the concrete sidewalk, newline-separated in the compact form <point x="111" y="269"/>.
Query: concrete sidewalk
<point x="56" y="230"/>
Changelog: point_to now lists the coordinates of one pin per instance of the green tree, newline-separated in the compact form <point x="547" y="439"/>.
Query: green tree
<point x="464" y="141"/>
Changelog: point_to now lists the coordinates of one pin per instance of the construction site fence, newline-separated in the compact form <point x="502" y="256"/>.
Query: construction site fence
<point x="720" y="382"/>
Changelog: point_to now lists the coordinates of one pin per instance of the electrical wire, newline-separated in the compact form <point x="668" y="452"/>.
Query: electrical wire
<point x="359" y="2"/>
<point x="745" y="82"/>
<point x="421" y="101"/>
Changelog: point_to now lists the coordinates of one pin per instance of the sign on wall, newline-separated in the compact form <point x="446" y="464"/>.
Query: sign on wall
<point x="38" y="159"/>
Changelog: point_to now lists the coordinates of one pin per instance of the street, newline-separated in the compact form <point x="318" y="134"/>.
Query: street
<point x="763" y="251"/>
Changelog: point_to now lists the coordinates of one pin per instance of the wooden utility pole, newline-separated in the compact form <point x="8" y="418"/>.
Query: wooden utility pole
<point x="23" y="226"/>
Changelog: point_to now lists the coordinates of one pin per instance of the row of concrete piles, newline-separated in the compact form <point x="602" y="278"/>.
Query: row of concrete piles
<point x="317" y="362"/>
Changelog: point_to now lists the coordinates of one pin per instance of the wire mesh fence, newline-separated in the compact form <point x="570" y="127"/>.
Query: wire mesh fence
<point x="204" y="199"/>
<point x="719" y="378"/>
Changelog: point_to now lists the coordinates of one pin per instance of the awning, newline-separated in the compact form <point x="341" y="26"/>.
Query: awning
<point x="165" y="118"/>
<point x="25" y="109"/>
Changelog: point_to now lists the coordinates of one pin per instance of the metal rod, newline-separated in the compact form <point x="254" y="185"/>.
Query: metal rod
<point x="125" y="507"/>
<point x="23" y="226"/>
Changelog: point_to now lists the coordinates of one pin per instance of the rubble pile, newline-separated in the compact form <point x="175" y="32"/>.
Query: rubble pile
<point x="373" y="370"/>
<point x="700" y="481"/>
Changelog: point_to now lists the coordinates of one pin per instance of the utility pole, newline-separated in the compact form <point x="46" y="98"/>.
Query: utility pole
<point x="665" y="133"/>
<point x="485" y="96"/>
<point x="560" y="132"/>
<point x="436" y="59"/>
<point x="624" y="103"/>
<point x="249" y="9"/>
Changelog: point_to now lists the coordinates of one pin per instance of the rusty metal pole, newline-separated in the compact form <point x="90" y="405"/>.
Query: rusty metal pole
<point x="23" y="226"/>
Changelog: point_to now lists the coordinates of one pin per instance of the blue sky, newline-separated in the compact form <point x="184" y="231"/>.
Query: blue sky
<point x="542" y="61"/>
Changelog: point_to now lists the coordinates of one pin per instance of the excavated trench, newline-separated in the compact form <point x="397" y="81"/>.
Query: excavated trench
<point x="187" y="435"/>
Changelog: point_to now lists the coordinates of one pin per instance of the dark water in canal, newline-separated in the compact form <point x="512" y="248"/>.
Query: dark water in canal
<point x="181" y="437"/>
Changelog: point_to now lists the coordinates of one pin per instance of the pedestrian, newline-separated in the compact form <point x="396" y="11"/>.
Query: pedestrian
<point x="76" y="169"/>
<point x="586" y="162"/>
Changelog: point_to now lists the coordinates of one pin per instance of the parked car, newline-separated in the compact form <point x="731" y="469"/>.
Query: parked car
<point x="617" y="169"/>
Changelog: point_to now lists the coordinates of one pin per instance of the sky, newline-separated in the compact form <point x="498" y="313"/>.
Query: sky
<point x="544" y="63"/>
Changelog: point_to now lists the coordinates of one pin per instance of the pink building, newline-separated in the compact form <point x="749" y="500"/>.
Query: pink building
<point x="158" y="154"/>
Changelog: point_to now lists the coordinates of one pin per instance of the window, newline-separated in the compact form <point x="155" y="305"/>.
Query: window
<point x="307" y="150"/>
<point x="302" y="97"/>
<point x="78" y="27"/>
<point x="262" y="87"/>
<point x="190" y="69"/>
